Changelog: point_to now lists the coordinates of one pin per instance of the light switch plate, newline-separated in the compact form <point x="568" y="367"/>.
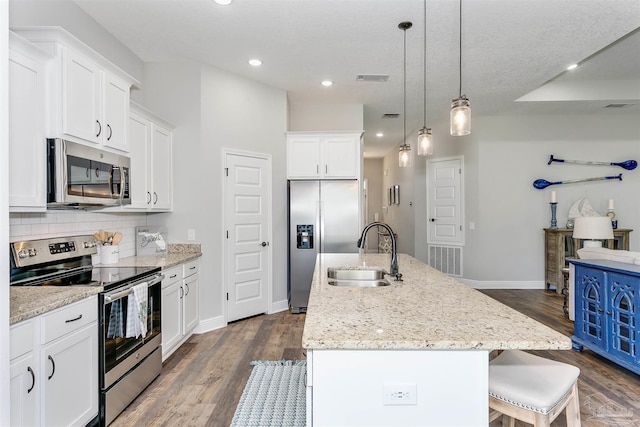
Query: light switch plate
<point x="191" y="234"/>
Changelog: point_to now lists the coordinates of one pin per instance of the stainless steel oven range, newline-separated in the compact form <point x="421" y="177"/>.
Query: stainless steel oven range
<point x="130" y="357"/>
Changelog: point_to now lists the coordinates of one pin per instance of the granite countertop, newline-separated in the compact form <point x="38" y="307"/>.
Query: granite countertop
<point x="27" y="302"/>
<point x="427" y="311"/>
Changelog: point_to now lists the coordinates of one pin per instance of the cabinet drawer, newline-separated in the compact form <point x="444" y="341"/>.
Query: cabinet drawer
<point x="21" y="338"/>
<point x="190" y="268"/>
<point x="171" y="276"/>
<point x="67" y="319"/>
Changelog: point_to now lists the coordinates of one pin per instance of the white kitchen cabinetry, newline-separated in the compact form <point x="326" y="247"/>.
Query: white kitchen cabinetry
<point x="60" y="386"/>
<point x="151" y="142"/>
<point x="89" y="96"/>
<point x="324" y="155"/>
<point x="180" y="313"/>
<point x="27" y="123"/>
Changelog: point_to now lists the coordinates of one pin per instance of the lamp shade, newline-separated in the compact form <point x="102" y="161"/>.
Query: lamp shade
<point x="593" y="228"/>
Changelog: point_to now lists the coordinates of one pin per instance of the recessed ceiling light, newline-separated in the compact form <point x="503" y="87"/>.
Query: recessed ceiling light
<point x="223" y="2"/>
<point x="379" y="134"/>
<point x="327" y="83"/>
<point x="572" y="67"/>
<point x="255" y="62"/>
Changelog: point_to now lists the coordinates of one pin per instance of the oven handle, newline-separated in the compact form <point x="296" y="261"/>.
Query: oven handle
<point x="121" y="294"/>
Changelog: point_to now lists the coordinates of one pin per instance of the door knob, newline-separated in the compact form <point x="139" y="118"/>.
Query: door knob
<point x="263" y="244"/>
<point x="433" y="220"/>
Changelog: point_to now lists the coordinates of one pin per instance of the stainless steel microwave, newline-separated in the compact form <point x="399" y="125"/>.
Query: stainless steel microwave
<point x="82" y="176"/>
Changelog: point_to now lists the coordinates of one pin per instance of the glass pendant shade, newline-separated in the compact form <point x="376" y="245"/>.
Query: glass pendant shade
<point x="425" y="142"/>
<point x="460" y="117"/>
<point x="404" y="156"/>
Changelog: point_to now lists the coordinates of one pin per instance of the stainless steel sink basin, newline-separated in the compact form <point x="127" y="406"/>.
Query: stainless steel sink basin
<point x="365" y="278"/>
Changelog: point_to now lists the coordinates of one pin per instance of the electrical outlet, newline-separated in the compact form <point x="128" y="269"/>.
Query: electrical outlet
<point x="191" y="234"/>
<point x="399" y="394"/>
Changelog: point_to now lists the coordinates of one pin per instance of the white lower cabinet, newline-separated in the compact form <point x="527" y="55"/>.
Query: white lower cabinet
<point x="180" y="314"/>
<point x="55" y="381"/>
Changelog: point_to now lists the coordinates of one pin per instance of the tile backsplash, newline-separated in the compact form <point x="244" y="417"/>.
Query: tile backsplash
<point x="31" y="226"/>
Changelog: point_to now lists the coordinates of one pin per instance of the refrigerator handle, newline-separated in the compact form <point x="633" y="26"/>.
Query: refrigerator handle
<point x="320" y="226"/>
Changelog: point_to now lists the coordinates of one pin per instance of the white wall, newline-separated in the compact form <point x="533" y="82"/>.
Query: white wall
<point x="325" y="117"/>
<point x="213" y="110"/>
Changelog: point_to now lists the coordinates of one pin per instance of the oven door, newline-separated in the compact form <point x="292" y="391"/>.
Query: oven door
<point x="121" y="343"/>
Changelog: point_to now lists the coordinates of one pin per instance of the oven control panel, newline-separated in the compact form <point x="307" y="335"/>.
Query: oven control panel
<point x="33" y="252"/>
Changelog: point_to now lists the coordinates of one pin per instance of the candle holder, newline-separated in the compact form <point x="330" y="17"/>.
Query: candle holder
<point x="554" y="222"/>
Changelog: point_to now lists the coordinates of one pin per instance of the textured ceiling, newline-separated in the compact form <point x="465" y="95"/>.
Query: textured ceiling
<point x="510" y="48"/>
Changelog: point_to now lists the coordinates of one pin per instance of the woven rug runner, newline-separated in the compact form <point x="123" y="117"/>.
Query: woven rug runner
<point x="275" y="395"/>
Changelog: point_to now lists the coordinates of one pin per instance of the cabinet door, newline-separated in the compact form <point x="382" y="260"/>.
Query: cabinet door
<point x="303" y="157"/>
<point x="590" y="315"/>
<point x="624" y="319"/>
<point x="27" y="149"/>
<point x="161" y="168"/>
<point x="116" y="113"/>
<point x="71" y="378"/>
<point x="24" y="391"/>
<point x="139" y="147"/>
<point x="171" y="316"/>
<point x="81" y="97"/>
<point x="341" y="157"/>
<point x="191" y="285"/>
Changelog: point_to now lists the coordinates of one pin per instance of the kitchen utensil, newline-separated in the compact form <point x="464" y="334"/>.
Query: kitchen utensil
<point x="117" y="237"/>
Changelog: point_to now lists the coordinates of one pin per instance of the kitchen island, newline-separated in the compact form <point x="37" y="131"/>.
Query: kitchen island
<point x="412" y="353"/>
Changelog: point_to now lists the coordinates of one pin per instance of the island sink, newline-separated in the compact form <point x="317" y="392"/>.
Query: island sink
<point x="360" y="278"/>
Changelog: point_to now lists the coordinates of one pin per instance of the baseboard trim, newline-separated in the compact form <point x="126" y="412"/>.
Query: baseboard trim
<point x="209" y="325"/>
<point x="279" y="306"/>
<point x="506" y="284"/>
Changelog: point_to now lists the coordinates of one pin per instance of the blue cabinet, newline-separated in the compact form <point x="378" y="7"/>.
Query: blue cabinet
<point x="607" y="319"/>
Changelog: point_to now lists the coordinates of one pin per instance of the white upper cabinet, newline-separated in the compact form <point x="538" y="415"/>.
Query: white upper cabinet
<point x="89" y="95"/>
<point x="151" y="141"/>
<point x="324" y="155"/>
<point x="27" y="122"/>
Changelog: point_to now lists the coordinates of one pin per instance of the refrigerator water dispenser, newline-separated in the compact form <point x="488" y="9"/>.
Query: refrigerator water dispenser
<point x="305" y="236"/>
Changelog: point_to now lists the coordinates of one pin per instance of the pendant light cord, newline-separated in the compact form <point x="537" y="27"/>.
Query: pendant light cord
<point x="460" y="50"/>
<point x="404" y="90"/>
<point x="425" y="63"/>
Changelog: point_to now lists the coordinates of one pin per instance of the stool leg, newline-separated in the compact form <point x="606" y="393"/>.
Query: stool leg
<point x="540" y="420"/>
<point x="573" y="408"/>
<point x="508" y="421"/>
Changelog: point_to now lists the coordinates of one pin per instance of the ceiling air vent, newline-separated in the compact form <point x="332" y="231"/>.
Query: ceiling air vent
<point x="379" y="78"/>
<point x="391" y="115"/>
<point x="618" y="105"/>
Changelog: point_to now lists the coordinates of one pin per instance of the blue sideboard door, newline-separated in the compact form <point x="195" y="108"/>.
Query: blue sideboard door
<point x="590" y="306"/>
<point x="624" y="301"/>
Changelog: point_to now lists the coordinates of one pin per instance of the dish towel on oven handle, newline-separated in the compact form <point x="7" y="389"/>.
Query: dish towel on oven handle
<point x="137" y="311"/>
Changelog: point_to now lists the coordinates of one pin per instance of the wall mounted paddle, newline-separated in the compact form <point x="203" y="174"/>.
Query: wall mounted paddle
<point x="627" y="164"/>
<point x="543" y="183"/>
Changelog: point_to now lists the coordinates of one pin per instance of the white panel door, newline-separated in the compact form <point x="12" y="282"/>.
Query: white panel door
<point x="445" y="202"/>
<point x="247" y="219"/>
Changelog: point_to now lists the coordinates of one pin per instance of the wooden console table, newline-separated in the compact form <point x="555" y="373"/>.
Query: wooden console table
<point x="560" y="247"/>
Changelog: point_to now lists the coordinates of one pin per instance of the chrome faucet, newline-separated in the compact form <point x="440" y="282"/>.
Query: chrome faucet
<point x="393" y="271"/>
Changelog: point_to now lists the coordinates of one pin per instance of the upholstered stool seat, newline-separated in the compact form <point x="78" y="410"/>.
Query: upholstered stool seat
<point x="532" y="389"/>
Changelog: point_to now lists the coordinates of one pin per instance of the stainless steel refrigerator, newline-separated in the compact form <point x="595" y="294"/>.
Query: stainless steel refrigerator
<point x="323" y="218"/>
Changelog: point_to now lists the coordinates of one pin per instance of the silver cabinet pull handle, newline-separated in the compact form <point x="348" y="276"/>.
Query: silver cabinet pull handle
<point x="74" y="319"/>
<point x="53" y="367"/>
<point x="33" y="379"/>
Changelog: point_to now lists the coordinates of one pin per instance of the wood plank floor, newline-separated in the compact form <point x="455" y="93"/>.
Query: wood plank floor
<point x="202" y="382"/>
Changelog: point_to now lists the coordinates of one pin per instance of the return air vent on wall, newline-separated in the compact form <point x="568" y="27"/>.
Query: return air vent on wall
<point x="391" y="115"/>
<point x="379" y="78"/>
<point x="618" y="105"/>
<point x="447" y="259"/>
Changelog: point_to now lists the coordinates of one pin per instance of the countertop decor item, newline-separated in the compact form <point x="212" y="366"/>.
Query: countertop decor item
<point x="627" y="164"/>
<point x="151" y="240"/>
<point x="541" y="184"/>
<point x="554" y="206"/>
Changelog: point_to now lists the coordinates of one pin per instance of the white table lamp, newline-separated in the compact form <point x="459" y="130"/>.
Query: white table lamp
<point x="593" y="229"/>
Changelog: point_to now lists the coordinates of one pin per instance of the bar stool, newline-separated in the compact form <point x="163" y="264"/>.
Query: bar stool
<point x="532" y="389"/>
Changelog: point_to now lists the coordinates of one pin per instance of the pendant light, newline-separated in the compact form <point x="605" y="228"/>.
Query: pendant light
<point x="425" y="140"/>
<point x="460" y="108"/>
<point x="404" y="155"/>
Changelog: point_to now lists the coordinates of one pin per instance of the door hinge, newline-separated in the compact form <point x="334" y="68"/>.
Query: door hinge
<point x="227" y="296"/>
<point x="460" y="228"/>
<point x="226" y="171"/>
<point x="460" y="171"/>
<point x="227" y="234"/>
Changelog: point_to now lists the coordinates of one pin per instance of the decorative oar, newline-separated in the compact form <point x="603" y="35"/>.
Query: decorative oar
<point x="543" y="183"/>
<point x="627" y="164"/>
